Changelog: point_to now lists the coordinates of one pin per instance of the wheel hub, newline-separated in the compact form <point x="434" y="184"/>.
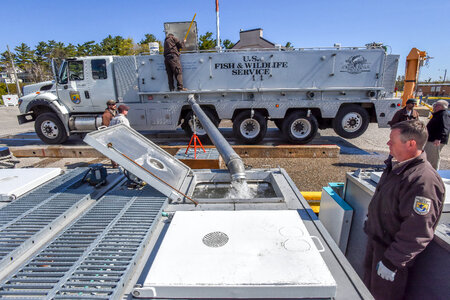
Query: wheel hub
<point x="49" y="129"/>
<point x="352" y="122"/>
<point x="300" y="128"/>
<point x="250" y="128"/>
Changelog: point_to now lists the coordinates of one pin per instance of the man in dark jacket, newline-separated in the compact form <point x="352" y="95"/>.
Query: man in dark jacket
<point x="438" y="128"/>
<point x="403" y="212"/>
<point x="172" y="47"/>
<point x="406" y="113"/>
<point x="110" y="112"/>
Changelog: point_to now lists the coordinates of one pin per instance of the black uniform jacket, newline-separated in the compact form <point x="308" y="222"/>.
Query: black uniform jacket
<point x="405" y="210"/>
<point x="439" y="126"/>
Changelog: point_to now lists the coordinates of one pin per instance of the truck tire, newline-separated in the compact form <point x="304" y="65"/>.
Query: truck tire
<point x="250" y="130"/>
<point x="50" y="129"/>
<point x="299" y="128"/>
<point x="351" y="121"/>
<point x="188" y="125"/>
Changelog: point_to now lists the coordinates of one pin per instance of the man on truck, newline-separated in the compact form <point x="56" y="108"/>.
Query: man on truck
<point x="172" y="47"/>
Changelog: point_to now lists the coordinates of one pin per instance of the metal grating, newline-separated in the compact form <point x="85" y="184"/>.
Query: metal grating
<point x="36" y="197"/>
<point x="93" y="258"/>
<point x="33" y="226"/>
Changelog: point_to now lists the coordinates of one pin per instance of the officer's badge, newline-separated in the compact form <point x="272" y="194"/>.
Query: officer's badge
<point x="75" y="97"/>
<point x="422" y="205"/>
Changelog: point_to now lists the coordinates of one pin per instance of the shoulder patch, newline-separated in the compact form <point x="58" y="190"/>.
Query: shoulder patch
<point x="422" y="205"/>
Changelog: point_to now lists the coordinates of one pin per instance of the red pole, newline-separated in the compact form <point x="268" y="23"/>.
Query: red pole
<point x="217" y="25"/>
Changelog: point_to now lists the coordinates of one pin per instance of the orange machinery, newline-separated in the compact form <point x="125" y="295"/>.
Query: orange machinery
<point x="414" y="61"/>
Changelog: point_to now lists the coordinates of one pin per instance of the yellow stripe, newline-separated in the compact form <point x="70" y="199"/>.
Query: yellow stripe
<point x="312" y="195"/>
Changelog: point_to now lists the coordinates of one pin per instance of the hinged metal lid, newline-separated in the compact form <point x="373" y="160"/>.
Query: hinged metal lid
<point x="238" y="254"/>
<point x="140" y="156"/>
<point x="179" y="30"/>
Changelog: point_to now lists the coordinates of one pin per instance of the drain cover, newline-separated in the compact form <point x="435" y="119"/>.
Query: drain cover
<point x="215" y="239"/>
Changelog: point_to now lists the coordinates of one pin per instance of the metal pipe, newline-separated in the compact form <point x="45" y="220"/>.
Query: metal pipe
<point x="217" y="25"/>
<point x="232" y="159"/>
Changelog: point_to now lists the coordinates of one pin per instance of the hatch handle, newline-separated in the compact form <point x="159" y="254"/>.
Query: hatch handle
<point x="319" y="242"/>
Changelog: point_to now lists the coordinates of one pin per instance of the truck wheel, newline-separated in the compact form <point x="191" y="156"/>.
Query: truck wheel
<point x="299" y="128"/>
<point x="250" y="130"/>
<point x="351" y="121"/>
<point x="50" y="129"/>
<point x="188" y="124"/>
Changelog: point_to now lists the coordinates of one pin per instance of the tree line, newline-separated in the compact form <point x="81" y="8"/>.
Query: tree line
<point x="36" y="62"/>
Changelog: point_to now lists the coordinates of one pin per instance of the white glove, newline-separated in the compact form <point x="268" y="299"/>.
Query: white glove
<point x="384" y="272"/>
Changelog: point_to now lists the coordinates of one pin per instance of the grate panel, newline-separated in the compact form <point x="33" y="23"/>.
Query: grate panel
<point x="94" y="257"/>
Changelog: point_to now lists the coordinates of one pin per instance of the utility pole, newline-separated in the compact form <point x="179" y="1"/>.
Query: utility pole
<point x="217" y="25"/>
<point x="15" y="72"/>
<point x="445" y="75"/>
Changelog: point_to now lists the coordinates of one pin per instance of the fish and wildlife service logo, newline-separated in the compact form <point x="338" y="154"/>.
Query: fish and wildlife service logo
<point x="75" y="97"/>
<point x="356" y="64"/>
<point x="422" y="205"/>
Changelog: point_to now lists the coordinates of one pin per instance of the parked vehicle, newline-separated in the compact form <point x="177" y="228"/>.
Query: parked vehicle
<point x="301" y="90"/>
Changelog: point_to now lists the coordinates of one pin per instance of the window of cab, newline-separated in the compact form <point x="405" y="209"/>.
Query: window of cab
<point x="99" y="69"/>
<point x="76" y="71"/>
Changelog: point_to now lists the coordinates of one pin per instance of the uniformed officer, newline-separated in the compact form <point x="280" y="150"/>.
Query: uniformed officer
<point x="172" y="47"/>
<point x="403" y="212"/>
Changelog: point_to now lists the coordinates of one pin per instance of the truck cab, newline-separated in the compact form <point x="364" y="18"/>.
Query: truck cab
<point x="85" y="83"/>
<point x="73" y="102"/>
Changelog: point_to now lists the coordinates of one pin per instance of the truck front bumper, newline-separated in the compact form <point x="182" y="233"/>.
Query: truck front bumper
<point x="25" y="118"/>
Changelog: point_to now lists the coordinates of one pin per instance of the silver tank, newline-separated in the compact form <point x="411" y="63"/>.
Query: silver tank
<point x="85" y="123"/>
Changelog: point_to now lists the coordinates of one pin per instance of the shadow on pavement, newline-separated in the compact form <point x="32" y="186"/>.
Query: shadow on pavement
<point x="347" y="148"/>
<point x="31" y="139"/>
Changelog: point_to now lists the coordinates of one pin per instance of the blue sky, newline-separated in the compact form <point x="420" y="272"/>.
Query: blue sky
<point x="400" y="24"/>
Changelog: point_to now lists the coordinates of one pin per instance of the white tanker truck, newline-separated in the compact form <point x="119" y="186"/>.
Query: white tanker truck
<point x="301" y="90"/>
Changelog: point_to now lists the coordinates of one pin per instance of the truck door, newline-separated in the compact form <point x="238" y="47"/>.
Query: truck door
<point x="73" y="87"/>
<point x="101" y="84"/>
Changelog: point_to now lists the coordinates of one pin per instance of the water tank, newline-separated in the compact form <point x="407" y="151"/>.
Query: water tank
<point x="154" y="48"/>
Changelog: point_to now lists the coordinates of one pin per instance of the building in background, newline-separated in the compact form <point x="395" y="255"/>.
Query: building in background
<point x="9" y="78"/>
<point x="434" y="89"/>
<point x="253" y="39"/>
